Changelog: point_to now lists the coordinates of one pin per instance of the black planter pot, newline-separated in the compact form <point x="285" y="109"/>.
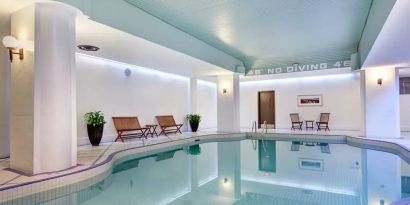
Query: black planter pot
<point x="194" y="126"/>
<point x="95" y="134"/>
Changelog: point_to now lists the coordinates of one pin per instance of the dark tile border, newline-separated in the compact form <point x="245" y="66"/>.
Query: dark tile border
<point x="108" y="159"/>
<point x="43" y="173"/>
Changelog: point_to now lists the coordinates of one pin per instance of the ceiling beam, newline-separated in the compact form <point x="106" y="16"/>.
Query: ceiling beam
<point x="378" y="13"/>
<point x="123" y="16"/>
<point x="391" y="48"/>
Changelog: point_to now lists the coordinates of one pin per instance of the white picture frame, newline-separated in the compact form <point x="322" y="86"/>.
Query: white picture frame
<point x="310" y="100"/>
<point x="311" y="164"/>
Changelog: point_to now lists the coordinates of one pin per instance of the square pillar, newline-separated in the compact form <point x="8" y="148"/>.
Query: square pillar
<point x="193" y="172"/>
<point x="382" y="177"/>
<point x="381" y="103"/>
<point x="228" y="103"/>
<point x="193" y="87"/>
<point x="229" y="169"/>
<point x="193" y="98"/>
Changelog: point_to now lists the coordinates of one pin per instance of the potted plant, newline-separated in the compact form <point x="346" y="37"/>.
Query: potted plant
<point x="193" y="120"/>
<point x="194" y="150"/>
<point x="95" y="126"/>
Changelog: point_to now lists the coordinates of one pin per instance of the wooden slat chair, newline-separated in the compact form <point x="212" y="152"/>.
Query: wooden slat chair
<point x="323" y="122"/>
<point x="168" y="125"/>
<point x="296" y="123"/>
<point x="129" y="125"/>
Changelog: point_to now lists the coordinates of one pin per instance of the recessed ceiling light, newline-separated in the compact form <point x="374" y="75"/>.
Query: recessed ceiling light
<point x="88" y="47"/>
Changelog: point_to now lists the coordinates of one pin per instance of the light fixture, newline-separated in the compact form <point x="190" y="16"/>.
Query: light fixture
<point x="380" y="81"/>
<point x="225" y="180"/>
<point x="12" y="44"/>
<point x="224" y="91"/>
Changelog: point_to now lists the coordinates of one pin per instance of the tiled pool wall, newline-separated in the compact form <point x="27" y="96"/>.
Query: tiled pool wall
<point x="63" y="186"/>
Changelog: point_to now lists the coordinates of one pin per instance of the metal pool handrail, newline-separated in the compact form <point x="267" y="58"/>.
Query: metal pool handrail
<point x="265" y="127"/>
<point x="255" y="128"/>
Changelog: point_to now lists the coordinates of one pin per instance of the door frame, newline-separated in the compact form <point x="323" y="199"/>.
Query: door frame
<point x="274" y="107"/>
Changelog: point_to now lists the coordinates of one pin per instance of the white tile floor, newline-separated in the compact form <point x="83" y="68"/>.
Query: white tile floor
<point x="91" y="155"/>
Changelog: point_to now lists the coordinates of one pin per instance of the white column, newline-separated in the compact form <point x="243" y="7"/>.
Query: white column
<point x="193" y="98"/>
<point x="43" y="136"/>
<point x="383" y="180"/>
<point x="381" y="103"/>
<point x="363" y="101"/>
<point x="228" y="103"/>
<point x="229" y="169"/>
<point x="193" y="87"/>
<point x="4" y="90"/>
<point x="194" y="172"/>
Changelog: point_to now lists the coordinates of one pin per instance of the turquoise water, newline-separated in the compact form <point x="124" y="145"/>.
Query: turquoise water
<point x="246" y="172"/>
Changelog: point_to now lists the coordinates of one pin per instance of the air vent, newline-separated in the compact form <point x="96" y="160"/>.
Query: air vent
<point x="88" y="48"/>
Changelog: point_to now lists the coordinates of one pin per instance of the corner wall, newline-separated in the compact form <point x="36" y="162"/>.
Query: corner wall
<point x="102" y="85"/>
<point x="341" y="97"/>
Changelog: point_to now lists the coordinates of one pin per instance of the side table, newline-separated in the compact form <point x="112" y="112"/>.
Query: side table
<point x="152" y="130"/>
<point x="309" y="124"/>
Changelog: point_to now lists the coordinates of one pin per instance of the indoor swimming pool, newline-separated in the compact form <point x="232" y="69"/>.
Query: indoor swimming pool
<point x="246" y="172"/>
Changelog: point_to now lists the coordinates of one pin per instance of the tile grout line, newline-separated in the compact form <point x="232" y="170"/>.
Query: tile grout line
<point x="102" y="154"/>
<point x="9" y="181"/>
<point x="177" y="139"/>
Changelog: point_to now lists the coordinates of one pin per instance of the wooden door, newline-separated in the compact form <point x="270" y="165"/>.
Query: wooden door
<point x="266" y="108"/>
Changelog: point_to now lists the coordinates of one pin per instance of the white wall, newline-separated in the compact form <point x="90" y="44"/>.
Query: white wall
<point x="341" y="97"/>
<point x="102" y="85"/>
<point x="4" y="89"/>
<point x="206" y="104"/>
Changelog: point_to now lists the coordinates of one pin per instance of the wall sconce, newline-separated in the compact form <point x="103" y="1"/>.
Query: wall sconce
<point x="380" y="81"/>
<point x="224" y="91"/>
<point x="12" y="44"/>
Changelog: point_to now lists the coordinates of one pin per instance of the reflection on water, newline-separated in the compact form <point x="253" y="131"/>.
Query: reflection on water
<point x="246" y="172"/>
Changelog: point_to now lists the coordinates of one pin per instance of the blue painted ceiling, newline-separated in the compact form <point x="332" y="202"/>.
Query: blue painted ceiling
<point x="267" y="33"/>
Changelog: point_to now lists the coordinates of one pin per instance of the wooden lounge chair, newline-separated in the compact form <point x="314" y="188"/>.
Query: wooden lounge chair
<point x="168" y="125"/>
<point x="323" y="122"/>
<point x="296" y="123"/>
<point x="129" y="125"/>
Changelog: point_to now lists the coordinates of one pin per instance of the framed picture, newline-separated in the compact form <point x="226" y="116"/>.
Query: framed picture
<point x="311" y="164"/>
<point x="310" y="100"/>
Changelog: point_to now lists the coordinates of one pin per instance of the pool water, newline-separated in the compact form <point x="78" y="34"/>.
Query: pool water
<point x="253" y="172"/>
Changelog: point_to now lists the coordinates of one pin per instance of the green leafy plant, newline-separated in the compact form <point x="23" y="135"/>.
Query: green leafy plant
<point x="193" y="118"/>
<point x="193" y="150"/>
<point x="94" y="118"/>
